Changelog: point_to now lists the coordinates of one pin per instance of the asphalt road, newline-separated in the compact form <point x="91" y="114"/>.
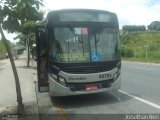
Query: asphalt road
<point x="139" y="95"/>
<point x="142" y="80"/>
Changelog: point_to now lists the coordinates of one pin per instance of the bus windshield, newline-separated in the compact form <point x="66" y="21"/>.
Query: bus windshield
<point x="84" y="44"/>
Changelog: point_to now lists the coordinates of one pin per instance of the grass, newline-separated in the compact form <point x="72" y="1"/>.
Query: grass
<point x="137" y="42"/>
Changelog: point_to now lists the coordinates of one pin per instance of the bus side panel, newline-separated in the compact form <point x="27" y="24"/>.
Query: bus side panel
<point x="42" y="59"/>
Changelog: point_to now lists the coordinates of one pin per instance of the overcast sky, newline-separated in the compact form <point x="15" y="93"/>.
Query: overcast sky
<point x="129" y="12"/>
<point x="135" y="12"/>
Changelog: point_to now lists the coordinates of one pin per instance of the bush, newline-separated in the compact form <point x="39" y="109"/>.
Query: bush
<point x="153" y="47"/>
<point x="127" y="52"/>
<point x="122" y="52"/>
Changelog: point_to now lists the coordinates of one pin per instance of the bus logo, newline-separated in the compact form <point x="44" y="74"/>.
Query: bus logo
<point x="77" y="78"/>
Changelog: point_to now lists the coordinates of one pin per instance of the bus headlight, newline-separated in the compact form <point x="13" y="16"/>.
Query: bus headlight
<point x="54" y="76"/>
<point x="116" y="75"/>
<point x="59" y="79"/>
<point x="62" y="80"/>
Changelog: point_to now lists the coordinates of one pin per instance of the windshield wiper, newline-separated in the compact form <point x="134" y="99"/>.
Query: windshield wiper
<point x="96" y="40"/>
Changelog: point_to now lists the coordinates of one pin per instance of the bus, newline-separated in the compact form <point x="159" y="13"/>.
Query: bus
<point x="78" y="52"/>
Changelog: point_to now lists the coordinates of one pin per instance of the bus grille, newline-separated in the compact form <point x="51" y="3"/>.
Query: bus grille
<point x="87" y="69"/>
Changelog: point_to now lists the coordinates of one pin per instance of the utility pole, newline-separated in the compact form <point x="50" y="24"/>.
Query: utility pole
<point x="146" y="51"/>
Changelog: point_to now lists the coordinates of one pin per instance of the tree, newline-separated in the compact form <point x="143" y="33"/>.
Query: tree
<point x="18" y="89"/>
<point x="27" y="37"/>
<point x="133" y="28"/>
<point x="13" y="15"/>
<point x="23" y="16"/>
<point x="155" y="25"/>
<point x="28" y="30"/>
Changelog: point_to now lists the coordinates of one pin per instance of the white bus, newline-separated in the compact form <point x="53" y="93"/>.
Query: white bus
<point x="78" y="52"/>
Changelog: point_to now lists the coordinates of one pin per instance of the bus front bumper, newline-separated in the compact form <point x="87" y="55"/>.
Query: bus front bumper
<point x="56" y="89"/>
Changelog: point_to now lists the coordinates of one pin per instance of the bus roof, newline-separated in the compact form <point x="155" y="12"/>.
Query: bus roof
<point x="81" y="15"/>
<point x="80" y="10"/>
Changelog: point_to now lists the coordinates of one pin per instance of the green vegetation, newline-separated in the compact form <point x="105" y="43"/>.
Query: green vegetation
<point x="141" y="46"/>
<point x="21" y="16"/>
<point x="131" y="28"/>
<point x="155" y="25"/>
<point x="2" y="47"/>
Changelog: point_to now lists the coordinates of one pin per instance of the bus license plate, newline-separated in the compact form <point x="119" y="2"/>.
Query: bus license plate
<point x="91" y="87"/>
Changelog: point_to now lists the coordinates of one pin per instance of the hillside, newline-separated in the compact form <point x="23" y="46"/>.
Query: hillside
<point x="141" y="46"/>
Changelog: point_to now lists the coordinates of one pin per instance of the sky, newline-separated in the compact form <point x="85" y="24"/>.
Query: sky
<point x="129" y="12"/>
<point x="133" y="12"/>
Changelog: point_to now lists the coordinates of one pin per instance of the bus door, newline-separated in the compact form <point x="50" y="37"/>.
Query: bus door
<point x="42" y="59"/>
